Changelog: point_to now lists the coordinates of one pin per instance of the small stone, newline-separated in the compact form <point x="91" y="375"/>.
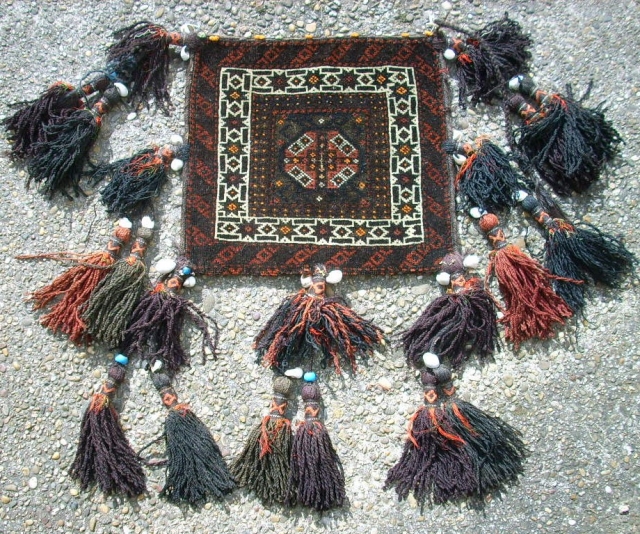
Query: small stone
<point x="16" y="366"/>
<point x="422" y="289"/>
<point x="5" y="499"/>
<point x="275" y="518"/>
<point x="132" y="116"/>
<point x="572" y="522"/>
<point x="311" y="27"/>
<point x="103" y="509"/>
<point x="92" y="524"/>
<point x="623" y="509"/>
<point x="508" y="380"/>
<point x="544" y="365"/>
<point x="159" y="12"/>
<point x="74" y="492"/>
<point x="385" y="383"/>
<point x="55" y="456"/>
<point x="33" y="483"/>
<point x="256" y="316"/>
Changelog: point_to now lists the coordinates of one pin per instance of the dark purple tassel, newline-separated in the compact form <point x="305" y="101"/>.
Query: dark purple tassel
<point x="454" y="325"/>
<point x="486" y="60"/>
<point x="264" y="464"/>
<point x="581" y="253"/>
<point x="486" y="179"/>
<point x="196" y="469"/>
<point x="104" y="455"/>
<point x="57" y="162"/>
<point x="135" y="181"/>
<point x="567" y="143"/>
<point x="157" y="323"/>
<point x="316" y="479"/>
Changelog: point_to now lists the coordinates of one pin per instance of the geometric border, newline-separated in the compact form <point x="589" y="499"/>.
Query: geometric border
<point x="397" y="83"/>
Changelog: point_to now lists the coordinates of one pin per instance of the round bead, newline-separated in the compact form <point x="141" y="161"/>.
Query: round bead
<point x="472" y="261"/>
<point x="296" y="372"/>
<point x="334" y="277"/>
<point x="125" y="223"/>
<point x="157" y="365"/>
<point x="147" y="223"/>
<point x="431" y="360"/>
<point x="177" y="164"/>
<point x="514" y="83"/>
<point x="476" y="213"/>
<point x="187" y="271"/>
<point x="189" y="282"/>
<point x="176" y="139"/>
<point x="522" y="195"/>
<point x="449" y="54"/>
<point x="459" y="159"/>
<point x="184" y="54"/>
<point x="310" y="376"/>
<point x="444" y="279"/>
<point x="121" y="359"/>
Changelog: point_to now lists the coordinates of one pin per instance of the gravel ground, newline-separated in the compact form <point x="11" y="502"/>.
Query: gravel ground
<point x="575" y="398"/>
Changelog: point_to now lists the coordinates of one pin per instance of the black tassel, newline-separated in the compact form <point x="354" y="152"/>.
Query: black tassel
<point x="57" y="161"/>
<point x="135" y="180"/>
<point x="580" y="252"/>
<point x="141" y="59"/>
<point x="316" y="478"/>
<point x="111" y="304"/>
<point x="104" y="455"/>
<point x="196" y="469"/>
<point x="455" y="451"/>
<point x="486" y="60"/>
<point x="454" y="325"/>
<point x="157" y="323"/>
<point x="264" y="464"/>
<point x="567" y="143"/>
<point x="486" y="179"/>
<point x="310" y="322"/>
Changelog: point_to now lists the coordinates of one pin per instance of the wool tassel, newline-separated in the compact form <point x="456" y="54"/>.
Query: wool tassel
<point x="459" y="323"/>
<point x="74" y="287"/>
<point x="487" y="59"/>
<point x="582" y="253"/>
<point x="455" y="451"/>
<point x="140" y="58"/>
<point x="532" y="307"/>
<point x="311" y="321"/>
<point x="264" y="464"/>
<point x="196" y="469"/>
<point x="486" y="178"/>
<point x="136" y="180"/>
<point x="567" y="143"/>
<point x="157" y="322"/>
<point x="104" y="455"/>
<point x="57" y="162"/>
<point x="110" y="306"/>
<point x="316" y="479"/>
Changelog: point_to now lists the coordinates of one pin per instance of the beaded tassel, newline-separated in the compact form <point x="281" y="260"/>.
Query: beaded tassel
<point x="104" y="455"/>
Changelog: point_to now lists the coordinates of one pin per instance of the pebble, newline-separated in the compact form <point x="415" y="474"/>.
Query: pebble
<point x="92" y="524"/>
<point x="5" y="499"/>
<point x="311" y="27"/>
<point x="103" y="509"/>
<point x="385" y="383"/>
<point x="422" y="289"/>
<point x="508" y="380"/>
<point x="33" y="483"/>
<point x="623" y="509"/>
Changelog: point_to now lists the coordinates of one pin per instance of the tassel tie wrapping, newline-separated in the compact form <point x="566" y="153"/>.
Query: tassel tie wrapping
<point x="74" y="287"/>
<point x="196" y="469"/>
<point x="456" y="324"/>
<point x="264" y="464"/>
<point x="567" y="143"/>
<point x="532" y="307"/>
<point x="104" y="455"/>
<point x="157" y="322"/>
<point x="110" y="306"/>
<point x="316" y="478"/>
<point x="454" y="451"/>
<point x="57" y="161"/>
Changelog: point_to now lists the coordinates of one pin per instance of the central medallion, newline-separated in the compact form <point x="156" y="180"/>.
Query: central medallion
<point x="321" y="159"/>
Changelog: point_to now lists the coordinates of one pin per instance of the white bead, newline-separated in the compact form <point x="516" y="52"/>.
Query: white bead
<point x="165" y="265"/>
<point x="147" y="222"/>
<point x="522" y="195"/>
<point x="157" y="365"/>
<point x="499" y="315"/>
<point x="459" y="159"/>
<point x="306" y="281"/>
<point x="449" y="54"/>
<point x="334" y="277"/>
<point x="184" y="53"/>
<point x="296" y="372"/>
<point x="472" y="261"/>
<point x="431" y="360"/>
<point x="125" y="223"/>
<point x="176" y="139"/>
<point x="476" y="213"/>
<point x="457" y="135"/>
<point x="189" y="282"/>
<point x="177" y="164"/>
<point x="514" y="83"/>
<point x="122" y="89"/>
<point x="444" y="279"/>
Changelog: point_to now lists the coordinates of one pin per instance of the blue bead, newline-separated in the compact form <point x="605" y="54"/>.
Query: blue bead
<point x="121" y="359"/>
<point x="310" y="376"/>
<point x="187" y="271"/>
